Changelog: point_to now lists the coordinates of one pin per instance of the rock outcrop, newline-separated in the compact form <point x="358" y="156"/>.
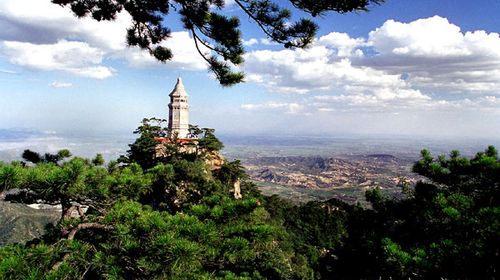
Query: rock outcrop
<point x="214" y="159"/>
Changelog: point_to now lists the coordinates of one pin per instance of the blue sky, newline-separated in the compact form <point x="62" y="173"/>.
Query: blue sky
<point x="404" y="68"/>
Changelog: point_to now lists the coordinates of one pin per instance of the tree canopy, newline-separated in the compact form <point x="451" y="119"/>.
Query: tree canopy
<point x="211" y="28"/>
<point x="174" y="217"/>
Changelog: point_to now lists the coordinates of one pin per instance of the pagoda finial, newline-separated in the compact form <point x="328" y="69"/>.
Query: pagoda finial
<point x="179" y="89"/>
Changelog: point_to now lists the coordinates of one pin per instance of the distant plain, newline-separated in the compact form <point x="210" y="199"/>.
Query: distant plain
<point x="252" y="150"/>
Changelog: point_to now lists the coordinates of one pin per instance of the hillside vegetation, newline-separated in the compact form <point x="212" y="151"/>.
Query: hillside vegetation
<point x="177" y="216"/>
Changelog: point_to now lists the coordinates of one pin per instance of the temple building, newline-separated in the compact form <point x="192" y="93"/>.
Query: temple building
<point x="178" y="112"/>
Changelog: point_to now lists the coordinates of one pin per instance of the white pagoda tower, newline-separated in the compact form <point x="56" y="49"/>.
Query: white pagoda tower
<point x="178" y="111"/>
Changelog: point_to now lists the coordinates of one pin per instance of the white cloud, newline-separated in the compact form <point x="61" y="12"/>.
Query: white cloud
<point x="250" y="42"/>
<point x="429" y="37"/>
<point x="289" y="108"/>
<point x="57" y="84"/>
<point x="45" y="24"/>
<point x="261" y="41"/>
<point x="437" y="55"/>
<point x="74" y="57"/>
<point x="319" y="69"/>
<point x="371" y="104"/>
<point x="5" y="71"/>
<point x="268" y="42"/>
<point x="344" y="45"/>
<point x="427" y="64"/>
<point x="182" y="46"/>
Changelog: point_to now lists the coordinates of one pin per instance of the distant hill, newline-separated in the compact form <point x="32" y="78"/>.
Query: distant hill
<point x="17" y="133"/>
<point x="346" y="177"/>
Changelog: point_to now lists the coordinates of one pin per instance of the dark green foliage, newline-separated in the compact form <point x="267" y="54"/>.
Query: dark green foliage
<point x="174" y="220"/>
<point x="478" y="177"/>
<point x="31" y="156"/>
<point x="230" y="172"/>
<point x="143" y="150"/>
<point x="316" y="8"/>
<point x="35" y="157"/>
<point x="274" y="21"/>
<point x="210" y="143"/>
<point x="10" y="176"/>
<point x="177" y="219"/>
<point x="98" y="160"/>
<point x="207" y="141"/>
<point x="317" y="229"/>
<point x="448" y="228"/>
<point x="211" y="29"/>
<point x="23" y="262"/>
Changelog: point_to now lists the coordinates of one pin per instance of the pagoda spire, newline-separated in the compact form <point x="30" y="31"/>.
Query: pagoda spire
<point x="179" y="89"/>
